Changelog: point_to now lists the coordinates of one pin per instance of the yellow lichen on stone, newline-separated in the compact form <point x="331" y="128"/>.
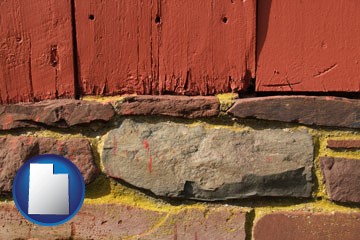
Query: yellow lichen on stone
<point x="226" y="100"/>
<point x="105" y="99"/>
<point x="320" y="150"/>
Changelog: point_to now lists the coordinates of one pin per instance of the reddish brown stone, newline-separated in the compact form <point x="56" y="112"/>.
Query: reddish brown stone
<point x="14" y="151"/>
<point x="308" y="226"/>
<point x="343" y="144"/>
<point x="118" y="221"/>
<point x="342" y="178"/>
<point x="177" y="106"/>
<point x="59" y="113"/>
<point x="324" y="111"/>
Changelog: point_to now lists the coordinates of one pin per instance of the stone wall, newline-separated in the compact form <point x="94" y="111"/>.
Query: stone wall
<point x="177" y="167"/>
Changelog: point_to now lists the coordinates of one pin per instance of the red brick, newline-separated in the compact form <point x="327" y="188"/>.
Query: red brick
<point x="308" y="110"/>
<point x="14" y="226"/>
<point x="308" y="226"/>
<point x="117" y="221"/>
<point x="225" y="223"/>
<point x="308" y="46"/>
<point x="342" y="178"/>
<point x="113" y="221"/>
<point x="176" y="106"/>
<point x="343" y="144"/>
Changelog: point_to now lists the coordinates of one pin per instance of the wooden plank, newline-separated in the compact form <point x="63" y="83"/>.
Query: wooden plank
<point x="306" y="45"/>
<point x="165" y="47"/>
<point x="114" y="41"/>
<point x="206" y="47"/>
<point x="36" y="54"/>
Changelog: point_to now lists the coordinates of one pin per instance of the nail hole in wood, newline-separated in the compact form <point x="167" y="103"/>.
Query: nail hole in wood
<point x="225" y="19"/>
<point x="91" y="17"/>
<point x="157" y="19"/>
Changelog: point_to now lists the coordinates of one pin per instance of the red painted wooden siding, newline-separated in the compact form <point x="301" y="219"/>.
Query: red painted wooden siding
<point x="36" y="54"/>
<point x="186" y="47"/>
<point x="307" y="45"/>
<point x="206" y="47"/>
<point x="115" y="42"/>
<point x="165" y="46"/>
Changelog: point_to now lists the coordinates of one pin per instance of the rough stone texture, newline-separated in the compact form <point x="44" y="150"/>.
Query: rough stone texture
<point x="325" y="111"/>
<point x="15" y="150"/>
<point x="342" y="178"/>
<point x="177" y="106"/>
<point x="307" y="226"/>
<point x="59" y="113"/>
<point x="117" y="221"/>
<point x="179" y="160"/>
<point x="343" y="144"/>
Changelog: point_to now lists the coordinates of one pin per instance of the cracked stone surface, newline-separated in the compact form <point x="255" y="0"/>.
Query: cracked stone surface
<point x="57" y="113"/>
<point x="15" y="150"/>
<point x="195" y="162"/>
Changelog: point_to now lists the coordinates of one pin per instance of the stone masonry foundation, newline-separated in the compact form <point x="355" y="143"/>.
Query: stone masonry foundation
<point x="177" y="167"/>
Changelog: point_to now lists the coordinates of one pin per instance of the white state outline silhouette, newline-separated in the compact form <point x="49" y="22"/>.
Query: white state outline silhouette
<point x="48" y="192"/>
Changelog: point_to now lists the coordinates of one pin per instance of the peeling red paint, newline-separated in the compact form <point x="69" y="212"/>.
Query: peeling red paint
<point x="150" y="164"/>
<point x="147" y="147"/>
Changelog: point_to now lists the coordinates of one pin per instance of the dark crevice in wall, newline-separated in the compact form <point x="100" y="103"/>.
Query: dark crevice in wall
<point x="250" y="217"/>
<point x="77" y="88"/>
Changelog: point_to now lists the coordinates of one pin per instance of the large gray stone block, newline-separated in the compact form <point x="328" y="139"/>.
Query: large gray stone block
<point x="198" y="162"/>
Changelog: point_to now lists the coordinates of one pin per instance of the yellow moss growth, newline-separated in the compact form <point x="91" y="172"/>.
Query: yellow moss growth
<point x="226" y="100"/>
<point x="320" y="141"/>
<point x="105" y="99"/>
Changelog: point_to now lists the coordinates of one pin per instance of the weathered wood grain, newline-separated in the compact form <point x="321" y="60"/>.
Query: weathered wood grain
<point x="308" y="46"/>
<point x="206" y="47"/>
<point x="165" y="47"/>
<point x="115" y="45"/>
<point x="36" y="54"/>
